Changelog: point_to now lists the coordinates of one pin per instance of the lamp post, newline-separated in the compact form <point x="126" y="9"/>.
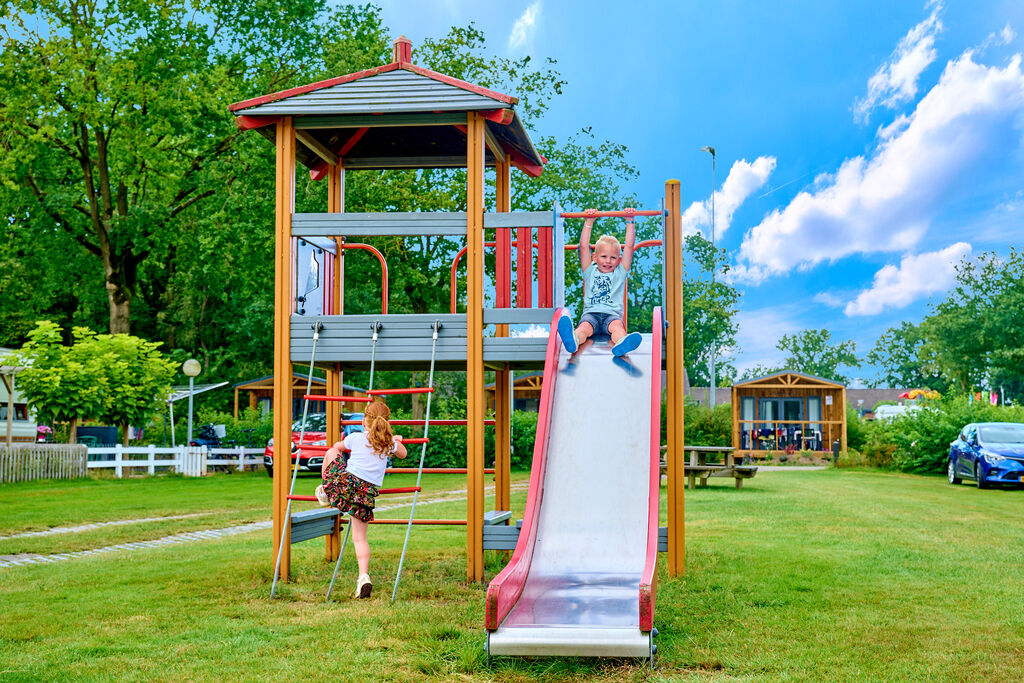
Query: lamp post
<point x="714" y="267"/>
<point x="191" y="367"/>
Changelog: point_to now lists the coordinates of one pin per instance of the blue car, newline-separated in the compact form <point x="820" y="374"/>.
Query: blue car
<point x="989" y="453"/>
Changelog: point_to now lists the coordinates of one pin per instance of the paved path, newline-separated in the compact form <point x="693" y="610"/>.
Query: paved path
<point x="208" y="534"/>
<point x="98" y="525"/>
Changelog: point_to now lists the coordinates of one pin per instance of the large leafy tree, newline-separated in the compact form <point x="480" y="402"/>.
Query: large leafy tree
<point x="709" y="312"/>
<point x="113" y="119"/>
<point x="813" y="352"/>
<point x="897" y="355"/>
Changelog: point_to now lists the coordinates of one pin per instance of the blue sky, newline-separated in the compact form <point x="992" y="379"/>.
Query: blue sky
<point x="862" y="148"/>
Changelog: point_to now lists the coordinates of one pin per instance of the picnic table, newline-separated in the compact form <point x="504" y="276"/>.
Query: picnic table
<point x="697" y="465"/>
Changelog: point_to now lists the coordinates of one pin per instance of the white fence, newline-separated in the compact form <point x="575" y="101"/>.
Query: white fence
<point x="191" y="461"/>
<point x="29" y="461"/>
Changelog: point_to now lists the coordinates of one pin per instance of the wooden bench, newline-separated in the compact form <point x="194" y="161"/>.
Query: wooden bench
<point x="697" y="467"/>
<point x="498" y="536"/>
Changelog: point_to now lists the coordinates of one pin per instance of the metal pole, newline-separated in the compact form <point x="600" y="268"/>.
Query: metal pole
<point x="714" y="268"/>
<point x="173" y="443"/>
<point x="191" y="385"/>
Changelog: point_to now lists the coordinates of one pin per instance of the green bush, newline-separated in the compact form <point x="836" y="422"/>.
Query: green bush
<point x="856" y="430"/>
<point x="524" y="432"/>
<point x="707" y="426"/>
<point x="920" y="439"/>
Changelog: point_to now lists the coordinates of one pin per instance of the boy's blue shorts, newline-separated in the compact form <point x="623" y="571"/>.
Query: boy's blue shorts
<point x="600" y="321"/>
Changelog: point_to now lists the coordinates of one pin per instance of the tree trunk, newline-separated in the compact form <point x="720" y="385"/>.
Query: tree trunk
<point x="118" y="298"/>
<point x="73" y="431"/>
<point x="126" y="429"/>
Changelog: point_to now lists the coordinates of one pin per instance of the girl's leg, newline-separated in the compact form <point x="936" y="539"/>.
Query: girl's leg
<point x="362" y="547"/>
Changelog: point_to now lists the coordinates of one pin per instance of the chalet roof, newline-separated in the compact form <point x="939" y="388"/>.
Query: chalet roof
<point x="317" y="381"/>
<point x="398" y="115"/>
<point x="788" y="378"/>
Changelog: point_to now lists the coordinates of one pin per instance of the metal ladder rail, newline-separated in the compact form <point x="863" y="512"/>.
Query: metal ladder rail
<point x="423" y="453"/>
<point x="286" y="523"/>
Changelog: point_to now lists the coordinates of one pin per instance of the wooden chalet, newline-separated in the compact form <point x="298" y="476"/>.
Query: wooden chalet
<point x="261" y="393"/>
<point x="787" y="411"/>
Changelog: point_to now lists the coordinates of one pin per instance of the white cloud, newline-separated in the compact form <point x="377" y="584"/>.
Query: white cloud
<point x="895" y="82"/>
<point x="828" y="299"/>
<point x="917" y="276"/>
<point x="531" y="331"/>
<point x="885" y="202"/>
<point x="525" y="27"/>
<point x="759" y="331"/>
<point x="743" y="179"/>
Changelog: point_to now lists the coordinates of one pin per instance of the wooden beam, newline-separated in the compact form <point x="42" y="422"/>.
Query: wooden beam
<point x="284" y="206"/>
<point x="496" y="149"/>
<point x="502" y="385"/>
<point x="673" y="240"/>
<point x="474" y="346"/>
<point x="317" y="147"/>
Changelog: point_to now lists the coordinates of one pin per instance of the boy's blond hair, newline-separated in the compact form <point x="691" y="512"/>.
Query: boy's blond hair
<point x="610" y="241"/>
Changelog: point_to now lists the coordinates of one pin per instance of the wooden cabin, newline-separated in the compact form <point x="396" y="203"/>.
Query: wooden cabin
<point x="525" y="392"/>
<point x="788" y="412"/>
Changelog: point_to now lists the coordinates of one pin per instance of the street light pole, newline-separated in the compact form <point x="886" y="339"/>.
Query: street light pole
<point x="191" y="367"/>
<point x="714" y="268"/>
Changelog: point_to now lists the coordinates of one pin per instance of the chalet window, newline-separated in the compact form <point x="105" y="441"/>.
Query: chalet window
<point x="20" y="412"/>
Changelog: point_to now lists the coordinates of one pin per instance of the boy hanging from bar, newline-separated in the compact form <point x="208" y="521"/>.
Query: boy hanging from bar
<point x="604" y="280"/>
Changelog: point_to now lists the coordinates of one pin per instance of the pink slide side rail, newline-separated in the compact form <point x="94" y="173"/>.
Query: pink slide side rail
<point x="505" y="589"/>
<point x="648" y="581"/>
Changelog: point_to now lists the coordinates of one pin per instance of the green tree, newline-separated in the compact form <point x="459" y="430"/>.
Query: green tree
<point x="898" y="355"/>
<point x="813" y="352"/>
<point x="111" y="378"/>
<point x="113" y="118"/>
<point x="709" y="312"/>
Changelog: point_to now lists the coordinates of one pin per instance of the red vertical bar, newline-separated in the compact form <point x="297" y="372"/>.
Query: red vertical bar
<point x="544" y="289"/>
<point x="524" y="267"/>
<point x="503" y="269"/>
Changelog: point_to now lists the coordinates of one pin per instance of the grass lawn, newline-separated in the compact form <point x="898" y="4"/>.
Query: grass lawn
<point x="838" y="575"/>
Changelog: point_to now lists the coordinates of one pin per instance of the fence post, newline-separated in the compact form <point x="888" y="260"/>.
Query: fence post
<point x="241" y="458"/>
<point x="152" y="458"/>
<point x="118" y="458"/>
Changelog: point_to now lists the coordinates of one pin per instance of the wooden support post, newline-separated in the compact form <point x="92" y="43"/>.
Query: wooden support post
<point x="335" y="381"/>
<point x="842" y="416"/>
<point x="502" y="386"/>
<point x="283" y="301"/>
<point x="674" y="370"/>
<point x="475" y="407"/>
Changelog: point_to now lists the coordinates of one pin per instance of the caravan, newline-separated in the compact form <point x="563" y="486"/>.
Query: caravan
<point x="22" y="424"/>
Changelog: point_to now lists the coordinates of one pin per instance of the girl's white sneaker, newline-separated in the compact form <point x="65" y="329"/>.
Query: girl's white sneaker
<point x="363" y="586"/>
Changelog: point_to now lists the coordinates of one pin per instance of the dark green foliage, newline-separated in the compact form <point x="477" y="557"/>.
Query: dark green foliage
<point x="708" y="426"/>
<point x="856" y="429"/>
<point x="919" y="441"/>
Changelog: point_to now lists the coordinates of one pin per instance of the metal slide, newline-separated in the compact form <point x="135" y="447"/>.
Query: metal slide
<point x="581" y="578"/>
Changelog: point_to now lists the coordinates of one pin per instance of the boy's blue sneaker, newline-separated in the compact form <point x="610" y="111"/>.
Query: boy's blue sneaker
<point x="626" y="344"/>
<point x="567" y="333"/>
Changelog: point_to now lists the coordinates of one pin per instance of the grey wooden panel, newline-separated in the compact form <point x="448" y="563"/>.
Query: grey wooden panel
<point x="404" y="223"/>
<point x="518" y="219"/>
<point x="397" y="324"/>
<point x="358" y="163"/>
<point x="518" y="316"/>
<point x="312" y="523"/>
<point x="496" y="516"/>
<point x="663" y="539"/>
<point x="500" y="537"/>
<point x="382" y="120"/>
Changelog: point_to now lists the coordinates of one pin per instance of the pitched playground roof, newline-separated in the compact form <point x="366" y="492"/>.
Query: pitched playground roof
<point x="398" y="115"/>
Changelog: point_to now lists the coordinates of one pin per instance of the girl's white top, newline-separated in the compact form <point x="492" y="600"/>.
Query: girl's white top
<point x="363" y="462"/>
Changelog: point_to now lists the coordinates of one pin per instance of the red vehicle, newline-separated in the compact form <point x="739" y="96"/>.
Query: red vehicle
<point x="316" y="434"/>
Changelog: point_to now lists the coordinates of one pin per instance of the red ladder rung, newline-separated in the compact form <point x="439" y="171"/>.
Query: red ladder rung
<point x="418" y="439"/>
<point x="339" y="399"/>
<point x="413" y="390"/>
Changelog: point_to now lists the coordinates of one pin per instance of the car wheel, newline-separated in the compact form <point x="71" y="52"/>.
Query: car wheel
<point x="978" y="479"/>
<point x="951" y="472"/>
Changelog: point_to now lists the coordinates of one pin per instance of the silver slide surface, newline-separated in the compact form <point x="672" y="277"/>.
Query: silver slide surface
<point x="581" y="594"/>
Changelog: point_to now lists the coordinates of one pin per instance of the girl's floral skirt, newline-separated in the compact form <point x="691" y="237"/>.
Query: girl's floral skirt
<point x="349" y="493"/>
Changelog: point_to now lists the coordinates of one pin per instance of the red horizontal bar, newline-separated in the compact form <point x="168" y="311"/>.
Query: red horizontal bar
<point x="418" y="439"/>
<point x="339" y="399"/>
<point x="407" y="489"/>
<point x="643" y="243"/>
<point x="414" y="390"/>
<point x="434" y="470"/>
<point x="433" y="423"/>
<point x="456" y="522"/>
<point x="610" y="214"/>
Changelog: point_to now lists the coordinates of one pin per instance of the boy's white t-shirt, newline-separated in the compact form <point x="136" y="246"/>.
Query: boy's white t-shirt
<point x="363" y="462"/>
<point x="602" y="292"/>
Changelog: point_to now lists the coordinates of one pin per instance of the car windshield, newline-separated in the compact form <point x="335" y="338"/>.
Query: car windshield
<point x="315" y="422"/>
<point x="1007" y="433"/>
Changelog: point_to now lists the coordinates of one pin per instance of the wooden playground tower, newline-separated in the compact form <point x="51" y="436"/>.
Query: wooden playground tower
<point x="404" y="116"/>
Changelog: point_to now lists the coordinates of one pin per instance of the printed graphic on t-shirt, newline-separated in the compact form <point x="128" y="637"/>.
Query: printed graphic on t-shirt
<point x="602" y="290"/>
